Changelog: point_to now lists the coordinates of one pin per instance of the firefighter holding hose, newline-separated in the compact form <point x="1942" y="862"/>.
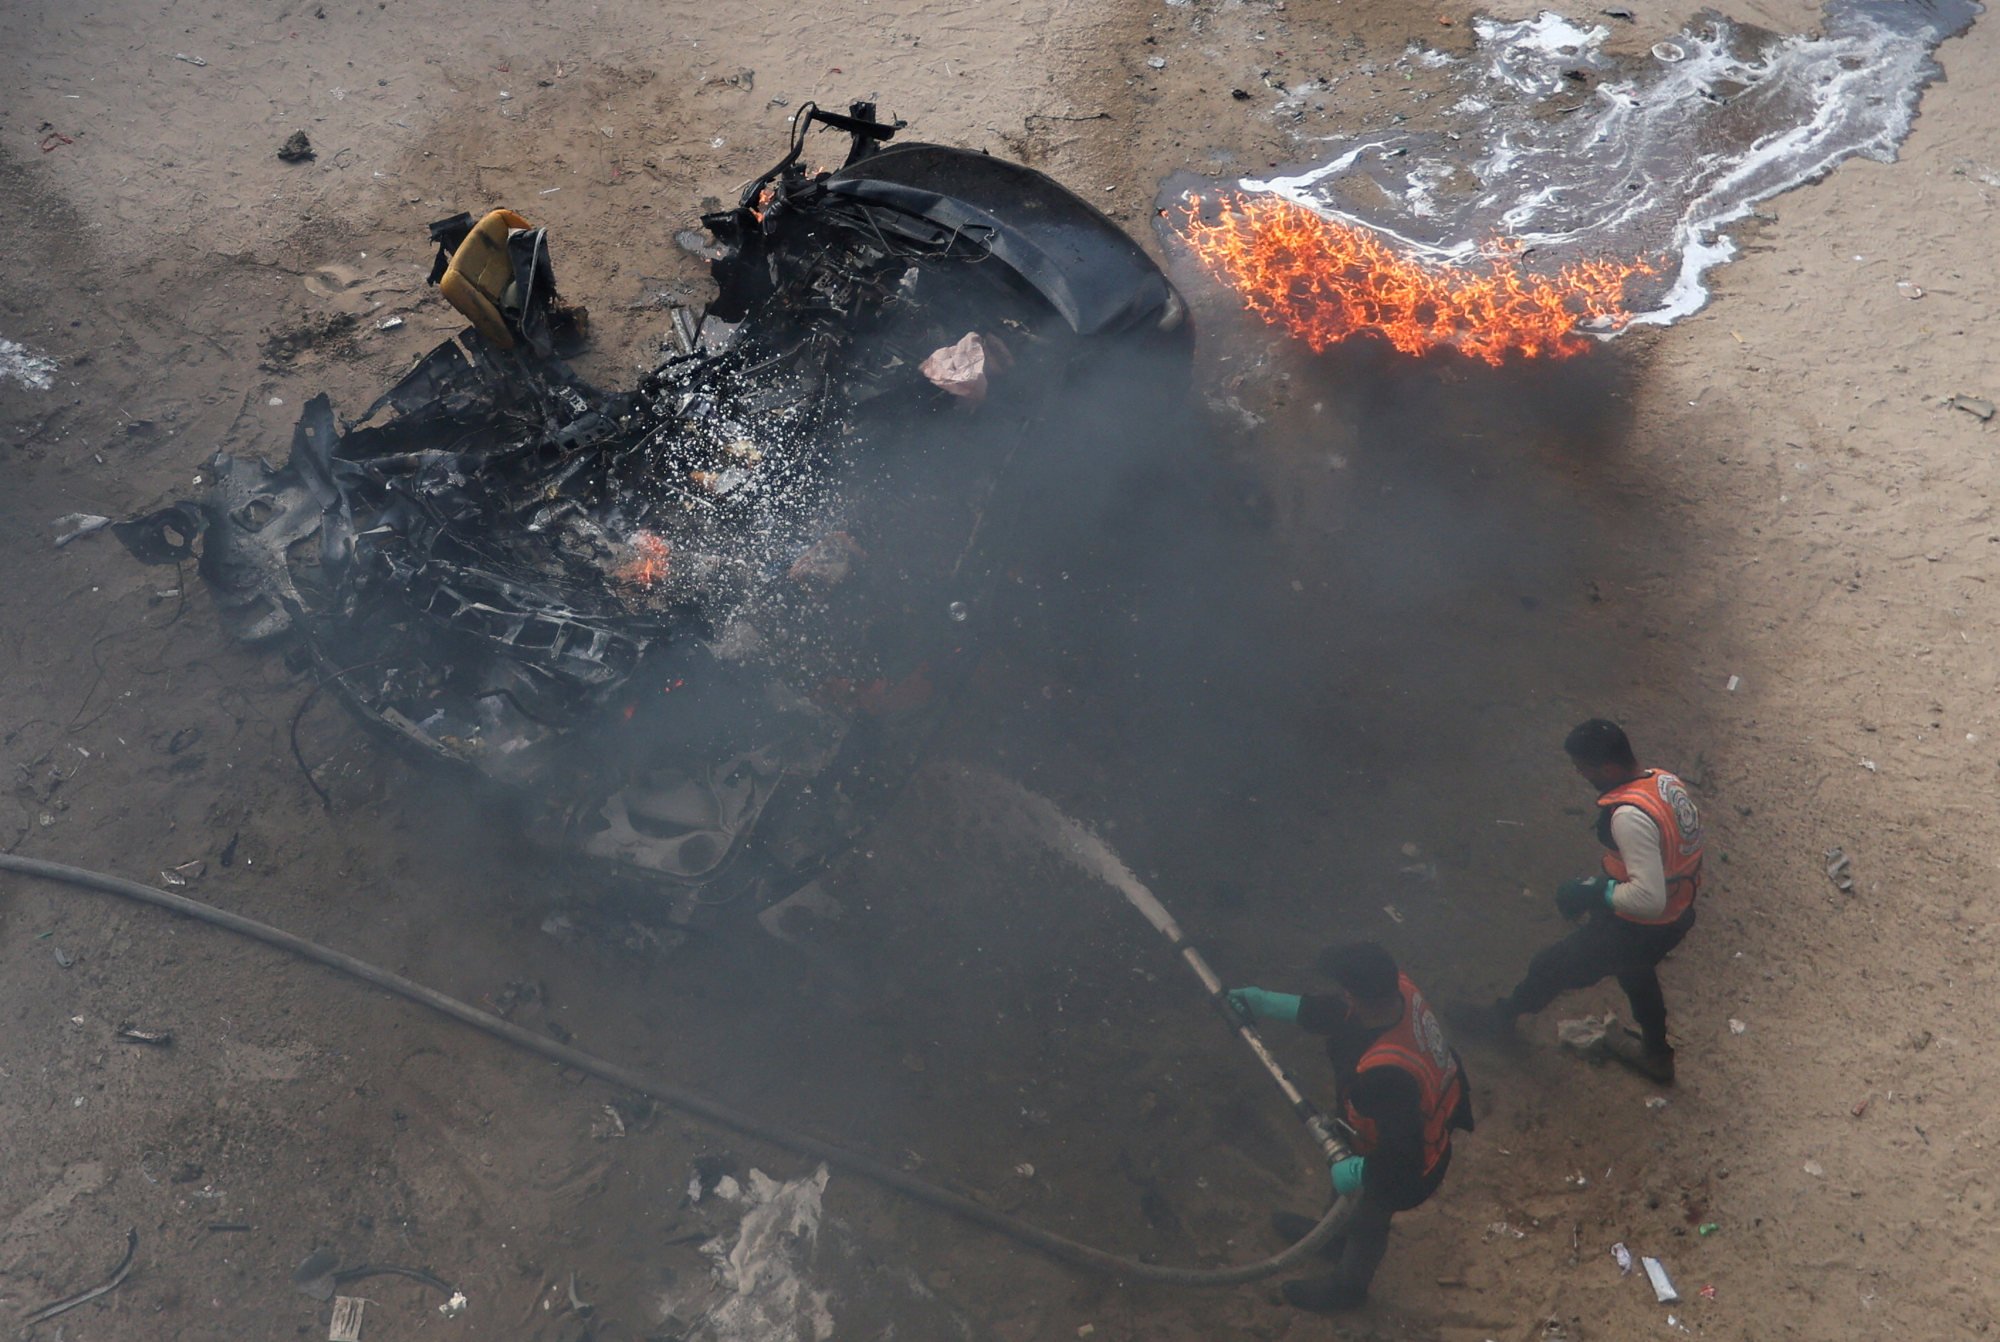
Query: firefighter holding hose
<point x="1402" y="1092"/>
<point x="1634" y="912"/>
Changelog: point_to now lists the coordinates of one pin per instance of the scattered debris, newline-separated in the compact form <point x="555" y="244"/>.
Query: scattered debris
<point x="185" y="872"/>
<point x="582" y="1307"/>
<point x="1585" y="1035"/>
<point x="803" y="917"/>
<point x="518" y="993"/>
<point x="1708" y="1292"/>
<point x="1663" y="1285"/>
<point x="1501" y="1230"/>
<point x="1815" y="1169"/>
<point x="827" y="560"/>
<point x="1861" y="1106"/>
<point x="1736" y="1026"/>
<point x="1909" y="290"/>
<point x="68" y="1303"/>
<point x="1624" y="14"/>
<point x="1839" y="869"/>
<point x="64" y="958"/>
<point x="962" y="369"/>
<point x="1623" y="1257"/>
<point x="346" y="1324"/>
<point x="1734" y="681"/>
<point x="20" y="364"/>
<point x="297" y="148"/>
<point x="1869" y="765"/>
<point x="1156" y="62"/>
<point x="191" y="60"/>
<point x="1707" y="1228"/>
<point x="453" y="1307"/>
<point x="1981" y="410"/>
<point x="1394" y="916"/>
<point x="1025" y="1170"/>
<point x="763" y="1275"/>
<point x="80" y="524"/>
<point x="229" y="1227"/>
<point x="1656" y="1101"/>
<point x="697" y="243"/>
<point x="55" y="140"/>
<point x="391" y="324"/>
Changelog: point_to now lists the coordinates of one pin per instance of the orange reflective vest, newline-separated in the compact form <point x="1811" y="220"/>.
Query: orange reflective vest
<point x="1417" y="1045"/>
<point x="1665" y="799"/>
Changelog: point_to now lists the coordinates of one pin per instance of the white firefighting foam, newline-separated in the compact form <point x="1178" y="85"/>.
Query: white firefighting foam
<point x="1570" y="154"/>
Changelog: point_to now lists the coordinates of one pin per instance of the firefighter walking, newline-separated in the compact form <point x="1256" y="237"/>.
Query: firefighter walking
<point x="1402" y="1091"/>
<point x="1635" y="911"/>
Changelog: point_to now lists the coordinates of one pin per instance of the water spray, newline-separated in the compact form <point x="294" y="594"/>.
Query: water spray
<point x="1069" y="838"/>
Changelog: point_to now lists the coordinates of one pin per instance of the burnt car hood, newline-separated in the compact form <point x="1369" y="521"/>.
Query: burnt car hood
<point x="1089" y="270"/>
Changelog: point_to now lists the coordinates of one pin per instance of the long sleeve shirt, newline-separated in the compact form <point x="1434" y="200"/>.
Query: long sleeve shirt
<point x="1638" y="841"/>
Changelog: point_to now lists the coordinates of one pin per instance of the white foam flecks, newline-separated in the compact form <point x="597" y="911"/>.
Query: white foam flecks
<point x="766" y="1294"/>
<point x="1533" y="55"/>
<point x="18" y="363"/>
<point x="1650" y="160"/>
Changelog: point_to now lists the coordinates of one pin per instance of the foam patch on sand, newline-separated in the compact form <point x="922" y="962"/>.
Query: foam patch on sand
<point x="1575" y="155"/>
<point x="18" y="363"/>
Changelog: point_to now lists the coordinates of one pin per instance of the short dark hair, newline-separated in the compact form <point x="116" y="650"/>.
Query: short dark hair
<point x="1600" y="741"/>
<point x="1363" y="968"/>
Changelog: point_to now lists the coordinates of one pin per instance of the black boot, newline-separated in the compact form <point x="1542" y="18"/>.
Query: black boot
<point x="1292" y="1228"/>
<point x="1655" y="1062"/>
<point x="1323" y="1295"/>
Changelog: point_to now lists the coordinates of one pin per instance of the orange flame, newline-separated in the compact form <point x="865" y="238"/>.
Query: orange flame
<point x="647" y="566"/>
<point x="1323" y="281"/>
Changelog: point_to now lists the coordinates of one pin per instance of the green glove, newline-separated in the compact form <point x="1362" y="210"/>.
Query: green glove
<point x="1259" y="1004"/>
<point x="1581" y="894"/>
<point x="1347" y="1175"/>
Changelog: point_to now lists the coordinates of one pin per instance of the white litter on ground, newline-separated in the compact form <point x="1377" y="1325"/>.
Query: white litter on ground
<point x="767" y="1297"/>
<point x="18" y="363"/>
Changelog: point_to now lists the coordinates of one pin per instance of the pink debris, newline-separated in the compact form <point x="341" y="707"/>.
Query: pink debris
<point x="963" y="369"/>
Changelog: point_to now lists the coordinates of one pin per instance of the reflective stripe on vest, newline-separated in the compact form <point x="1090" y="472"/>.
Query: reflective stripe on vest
<point x="1415" y="1044"/>
<point x="1664" y="799"/>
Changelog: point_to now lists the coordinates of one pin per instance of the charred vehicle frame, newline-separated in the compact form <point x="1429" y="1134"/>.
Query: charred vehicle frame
<point x="701" y="627"/>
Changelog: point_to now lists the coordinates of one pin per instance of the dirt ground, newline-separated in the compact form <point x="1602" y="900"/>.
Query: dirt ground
<point x="1350" y="726"/>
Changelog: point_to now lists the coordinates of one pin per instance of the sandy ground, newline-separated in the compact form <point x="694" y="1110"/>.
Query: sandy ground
<point x="1358" y="734"/>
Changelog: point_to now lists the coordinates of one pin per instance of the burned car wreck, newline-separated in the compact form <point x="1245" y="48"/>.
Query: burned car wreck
<point x="700" y="628"/>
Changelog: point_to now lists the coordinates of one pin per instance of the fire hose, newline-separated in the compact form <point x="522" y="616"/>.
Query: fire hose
<point x="1331" y="1134"/>
<point x="1055" y="1246"/>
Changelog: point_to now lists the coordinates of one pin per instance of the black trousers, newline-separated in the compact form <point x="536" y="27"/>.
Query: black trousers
<point x="1606" y="946"/>
<point x="1361" y="1234"/>
<point x="1367" y="1241"/>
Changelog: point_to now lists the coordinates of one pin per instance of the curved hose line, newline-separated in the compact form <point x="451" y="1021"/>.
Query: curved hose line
<point x="1056" y="1246"/>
